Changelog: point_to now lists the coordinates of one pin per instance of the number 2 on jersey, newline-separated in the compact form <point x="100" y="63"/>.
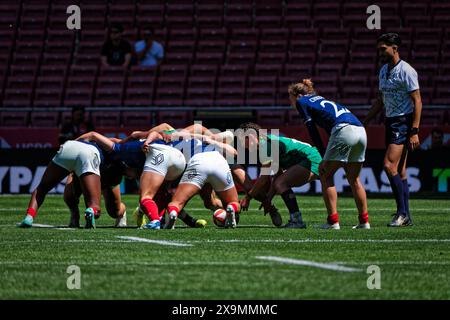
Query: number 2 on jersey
<point x="338" y="112"/>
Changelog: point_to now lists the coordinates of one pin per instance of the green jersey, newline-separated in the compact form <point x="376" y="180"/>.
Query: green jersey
<point x="292" y="152"/>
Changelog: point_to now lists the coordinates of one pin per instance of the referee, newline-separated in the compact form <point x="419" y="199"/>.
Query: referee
<point x="400" y="95"/>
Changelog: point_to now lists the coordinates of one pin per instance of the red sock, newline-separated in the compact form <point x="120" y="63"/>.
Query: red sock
<point x="31" y="212"/>
<point x="364" y="217"/>
<point x="96" y="212"/>
<point x="333" y="218"/>
<point x="235" y="206"/>
<point x="173" y="209"/>
<point x="150" y="209"/>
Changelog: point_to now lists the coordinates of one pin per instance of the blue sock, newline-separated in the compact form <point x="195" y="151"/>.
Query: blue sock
<point x="399" y="194"/>
<point x="406" y="196"/>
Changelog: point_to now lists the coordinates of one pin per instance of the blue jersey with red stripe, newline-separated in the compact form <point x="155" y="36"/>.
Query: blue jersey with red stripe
<point x="325" y="113"/>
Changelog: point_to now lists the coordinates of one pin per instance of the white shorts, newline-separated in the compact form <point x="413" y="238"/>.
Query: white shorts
<point x="166" y="161"/>
<point x="78" y="157"/>
<point x="347" y="143"/>
<point x="208" y="167"/>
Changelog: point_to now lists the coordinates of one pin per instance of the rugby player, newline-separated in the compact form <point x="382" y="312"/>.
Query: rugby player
<point x="81" y="158"/>
<point x="298" y="164"/>
<point x="346" y="147"/>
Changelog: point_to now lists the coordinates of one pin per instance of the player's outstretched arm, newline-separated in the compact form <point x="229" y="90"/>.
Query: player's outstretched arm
<point x="377" y="106"/>
<point x="103" y="142"/>
<point x="136" y="135"/>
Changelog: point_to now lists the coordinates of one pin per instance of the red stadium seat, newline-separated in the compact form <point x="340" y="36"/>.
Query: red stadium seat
<point x="270" y="118"/>
<point x="360" y="69"/>
<point x="44" y="119"/>
<point x="170" y="96"/>
<point x="257" y="96"/>
<point x="271" y="70"/>
<point x="328" y="69"/>
<point x="201" y="82"/>
<point x="209" y="15"/>
<point x="246" y="58"/>
<point x="203" y="70"/>
<point x="297" y="15"/>
<point x="199" y="97"/>
<point x="17" y="97"/>
<point x="271" y="57"/>
<point x="230" y="96"/>
<point x="238" y="15"/>
<point x="226" y="82"/>
<point x="150" y="13"/>
<point x="138" y="96"/>
<point x="13" y="119"/>
<point x="215" y="58"/>
<point x="78" y="96"/>
<point x="106" y="119"/>
<point x="335" y="34"/>
<point x="177" y="119"/>
<point x="274" y="34"/>
<point x="298" y="70"/>
<point x="213" y="34"/>
<point x="231" y="70"/>
<point x="268" y="83"/>
<point x="137" y="119"/>
<point x="107" y="97"/>
<point x="355" y="95"/>
<point x="141" y="82"/>
<point x="208" y="46"/>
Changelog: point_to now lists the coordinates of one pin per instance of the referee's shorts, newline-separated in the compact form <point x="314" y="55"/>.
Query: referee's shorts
<point x="398" y="129"/>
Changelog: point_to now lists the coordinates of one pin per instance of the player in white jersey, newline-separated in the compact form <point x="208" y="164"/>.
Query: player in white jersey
<point x="400" y="96"/>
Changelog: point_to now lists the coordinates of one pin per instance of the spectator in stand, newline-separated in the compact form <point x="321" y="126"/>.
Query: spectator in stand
<point x="149" y="52"/>
<point x="116" y="51"/>
<point x="76" y="126"/>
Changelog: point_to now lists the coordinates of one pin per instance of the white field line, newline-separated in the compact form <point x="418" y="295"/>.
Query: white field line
<point x="306" y="263"/>
<point x="161" y="242"/>
<point x="319" y="240"/>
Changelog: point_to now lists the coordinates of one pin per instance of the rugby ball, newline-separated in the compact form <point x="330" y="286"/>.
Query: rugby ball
<point x="219" y="217"/>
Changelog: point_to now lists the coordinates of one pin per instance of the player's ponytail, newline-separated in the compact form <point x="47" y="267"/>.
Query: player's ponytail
<point x="302" y="88"/>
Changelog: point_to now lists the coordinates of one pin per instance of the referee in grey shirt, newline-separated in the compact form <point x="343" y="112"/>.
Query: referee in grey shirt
<point x="400" y="96"/>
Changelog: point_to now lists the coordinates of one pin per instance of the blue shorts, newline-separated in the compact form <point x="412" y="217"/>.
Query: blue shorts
<point x="398" y="129"/>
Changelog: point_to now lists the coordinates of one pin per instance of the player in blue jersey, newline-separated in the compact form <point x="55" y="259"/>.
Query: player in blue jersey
<point x="400" y="96"/>
<point x="346" y="147"/>
<point x="205" y="165"/>
<point x="78" y="157"/>
<point x="160" y="163"/>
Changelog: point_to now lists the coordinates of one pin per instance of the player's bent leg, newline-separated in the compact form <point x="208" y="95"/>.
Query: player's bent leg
<point x="52" y="176"/>
<point x="327" y="171"/>
<point x="91" y="187"/>
<point x="294" y="176"/>
<point x="230" y="197"/>
<point x="352" y="170"/>
<point x="115" y="208"/>
<point x="209" y="200"/>
<point x="184" y="193"/>
<point x="72" y="194"/>
<point x="150" y="183"/>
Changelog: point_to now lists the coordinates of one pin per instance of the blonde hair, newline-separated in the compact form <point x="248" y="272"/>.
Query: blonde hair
<point x="305" y="87"/>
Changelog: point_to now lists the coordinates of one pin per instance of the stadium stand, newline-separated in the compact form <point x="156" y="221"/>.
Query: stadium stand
<point x="218" y="53"/>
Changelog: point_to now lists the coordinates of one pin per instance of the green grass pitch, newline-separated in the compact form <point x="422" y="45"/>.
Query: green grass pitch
<point x="215" y="263"/>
